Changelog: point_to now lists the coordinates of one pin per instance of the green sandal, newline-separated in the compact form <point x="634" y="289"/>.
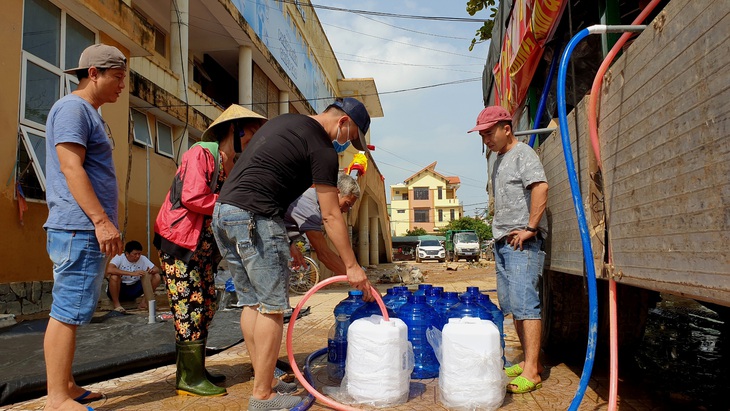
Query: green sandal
<point x="513" y="371"/>
<point x="523" y="386"/>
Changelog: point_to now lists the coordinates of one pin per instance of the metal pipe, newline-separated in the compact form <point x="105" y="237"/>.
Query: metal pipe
<point x="535" y="131"/>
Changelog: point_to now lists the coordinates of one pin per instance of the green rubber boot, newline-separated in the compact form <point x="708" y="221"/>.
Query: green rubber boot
<point x="191" y="379"/>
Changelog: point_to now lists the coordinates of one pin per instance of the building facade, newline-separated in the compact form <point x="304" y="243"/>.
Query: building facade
<point x="425" y="200"/>
<point x="189" y="60"/>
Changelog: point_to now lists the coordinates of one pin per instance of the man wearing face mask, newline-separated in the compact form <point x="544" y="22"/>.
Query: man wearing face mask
<point x="285" y="157"/>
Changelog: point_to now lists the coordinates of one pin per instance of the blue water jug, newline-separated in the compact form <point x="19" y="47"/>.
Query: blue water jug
<point x="433" y="294"/>
<point x="448" y="299"/>
<point x="422" y="288"/>
<point x="349" y="304"/>
<point x="497" y="318"/>
<point x="419" y="317"/>
<point x="389" y="294"/>
<point x="468" y="306"/>
<point x="337" y="348"/>
<point x="368" y="309"/>
<point x="399" y="300"/>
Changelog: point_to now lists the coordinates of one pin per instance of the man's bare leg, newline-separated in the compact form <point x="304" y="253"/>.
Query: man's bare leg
<point x="530" y="333"/>
<point x="115" y="286"/>
<point x="268" y="331"/>
<point x="59" y="344"/>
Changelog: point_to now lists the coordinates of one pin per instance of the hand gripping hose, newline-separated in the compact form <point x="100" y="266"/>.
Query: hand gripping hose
<point x="290" y="333"/>
<point x="577" y="203"/>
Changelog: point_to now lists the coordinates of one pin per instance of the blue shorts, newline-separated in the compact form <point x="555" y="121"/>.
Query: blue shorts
<point x="128" y="292"/>
<point x="518" y="275"/>
<point x="78" y="271"/>
<point x="258" y="258"/>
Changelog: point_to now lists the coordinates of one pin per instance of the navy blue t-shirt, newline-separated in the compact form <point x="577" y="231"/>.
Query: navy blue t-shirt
<point x="284" y="158"/>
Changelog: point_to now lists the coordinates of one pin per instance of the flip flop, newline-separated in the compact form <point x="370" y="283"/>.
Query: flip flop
<point x="85" y="399"/>
<point x="89" y="408"/>
<point x="523" y="386"/>
<point x="120" y="309"/>
<point x="513" y="371"/>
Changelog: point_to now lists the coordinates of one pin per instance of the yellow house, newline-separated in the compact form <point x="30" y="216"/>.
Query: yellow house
<point x="189" y="60"/>
<point x="425" y="200"/>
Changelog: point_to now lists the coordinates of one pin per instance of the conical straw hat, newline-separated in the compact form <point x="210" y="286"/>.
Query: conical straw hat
<point x="234" y="112"/>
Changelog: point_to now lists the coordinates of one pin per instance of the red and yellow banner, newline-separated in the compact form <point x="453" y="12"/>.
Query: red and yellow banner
<point x="531" y="25"/>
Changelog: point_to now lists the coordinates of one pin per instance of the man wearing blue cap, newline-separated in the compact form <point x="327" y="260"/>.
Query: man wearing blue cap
<point x="284" y="158"/>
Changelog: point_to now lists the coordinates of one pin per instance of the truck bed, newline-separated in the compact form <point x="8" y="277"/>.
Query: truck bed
<point x="663" y="128"/>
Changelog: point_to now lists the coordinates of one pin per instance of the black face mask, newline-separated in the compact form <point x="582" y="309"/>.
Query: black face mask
<point x="238" y="133"/>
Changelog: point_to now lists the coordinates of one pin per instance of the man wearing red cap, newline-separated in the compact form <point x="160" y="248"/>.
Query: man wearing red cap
<point x="519" y="227"/>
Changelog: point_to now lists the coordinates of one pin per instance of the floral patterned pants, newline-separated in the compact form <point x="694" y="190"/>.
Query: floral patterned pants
<point x="192" y="295"/>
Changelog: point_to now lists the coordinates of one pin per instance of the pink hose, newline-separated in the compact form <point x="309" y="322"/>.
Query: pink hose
<point x="290" y="332"/>
<point x="593" y="131"/>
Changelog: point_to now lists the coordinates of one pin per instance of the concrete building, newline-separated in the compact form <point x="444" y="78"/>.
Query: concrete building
<point x="425" y="200"/>
<point x="189" y="60"/>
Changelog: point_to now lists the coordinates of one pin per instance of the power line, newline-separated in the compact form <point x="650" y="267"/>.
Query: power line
<point x="415" y="31"/>
<point x="404" y="43"/>
<point x="384" y="14"/>
<point x="422" y="167"/>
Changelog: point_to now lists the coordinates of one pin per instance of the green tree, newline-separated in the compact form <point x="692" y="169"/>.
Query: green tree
<point x="416" y="232"/>
<point x="484" y="230"/>
<point x="485" y="32"/>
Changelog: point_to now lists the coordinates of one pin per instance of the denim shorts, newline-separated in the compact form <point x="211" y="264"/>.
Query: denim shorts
<point x="518" y="275"/>
<point x="78" y="271"/>
<point x="257" y="251"/>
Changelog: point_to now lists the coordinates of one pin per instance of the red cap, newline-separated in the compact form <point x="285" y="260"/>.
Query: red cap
<point x="490" y="116"/>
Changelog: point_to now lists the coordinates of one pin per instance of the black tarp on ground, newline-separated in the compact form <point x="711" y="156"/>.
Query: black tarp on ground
<point x="112" y="345"/>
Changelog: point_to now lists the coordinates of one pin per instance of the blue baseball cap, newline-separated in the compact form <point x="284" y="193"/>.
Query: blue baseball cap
<point x="359" y="114"/>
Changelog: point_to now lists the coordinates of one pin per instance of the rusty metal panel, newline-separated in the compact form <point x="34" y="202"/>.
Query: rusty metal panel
<point x="666" y="157"/>
<point x="565" y="253"/>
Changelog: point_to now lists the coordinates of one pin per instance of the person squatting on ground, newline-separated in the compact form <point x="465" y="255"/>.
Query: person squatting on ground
<point x="188" y="252"/>
<point x="286" y="156"/>
<point x="305" y="217"/>
<point x="125" y="272"/>
<point x="519" y="227"/>
<point x="82" y="197"/>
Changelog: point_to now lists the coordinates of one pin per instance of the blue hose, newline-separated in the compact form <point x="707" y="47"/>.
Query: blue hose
<point x="307" y="402"/>
<point x="582" y="224"/>
<point x="545" y="91"/>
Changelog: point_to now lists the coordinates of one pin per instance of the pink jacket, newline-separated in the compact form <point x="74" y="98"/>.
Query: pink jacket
<point x="191" y="198"/>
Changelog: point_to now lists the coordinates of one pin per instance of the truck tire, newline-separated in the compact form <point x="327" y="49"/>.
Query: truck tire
<point x="565" y="316"/>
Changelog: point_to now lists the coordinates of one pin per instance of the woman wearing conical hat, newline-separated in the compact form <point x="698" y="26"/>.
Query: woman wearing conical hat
<point x="188" y="252"/>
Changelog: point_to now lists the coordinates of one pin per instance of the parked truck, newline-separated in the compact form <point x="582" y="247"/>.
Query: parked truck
<point x="462" y="244"/>
<point x="658" y="209"/>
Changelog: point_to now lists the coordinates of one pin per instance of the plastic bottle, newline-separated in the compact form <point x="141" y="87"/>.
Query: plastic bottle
<point x="368" y="309"/>
<point x="447" y="299"/>
<point x="468" y="307"/>
<point x="497" y="317"/>
<point x="349" y="304"/>
<point x="337" y="348"/>
<point x="400" y="299"/>
<point x="419" y="317"/>
<point x="433" y="294"/>
<point x="389" y="294"/>
<point x="422" y="289"/>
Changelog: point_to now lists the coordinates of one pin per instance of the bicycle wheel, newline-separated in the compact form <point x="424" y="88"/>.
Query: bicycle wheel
<point x="303" y="279"/>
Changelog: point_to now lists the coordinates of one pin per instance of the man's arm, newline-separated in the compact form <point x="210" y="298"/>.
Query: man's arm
<point x="325" y="254"/>
<point x="71" y="158"/>
<point x="114" y="270"/>
<point x="538" y="203"/>
<point x="337" y="231"/>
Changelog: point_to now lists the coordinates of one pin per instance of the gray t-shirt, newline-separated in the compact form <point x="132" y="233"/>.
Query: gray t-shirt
<point x="513" y="172"/>
<point x="303" y="214"/>
<point x="73" y="120"/>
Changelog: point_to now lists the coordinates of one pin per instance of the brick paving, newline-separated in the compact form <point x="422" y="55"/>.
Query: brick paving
<point x="154" y="389"/>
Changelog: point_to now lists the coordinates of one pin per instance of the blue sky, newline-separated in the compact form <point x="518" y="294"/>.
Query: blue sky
<point x="420" y="126"/>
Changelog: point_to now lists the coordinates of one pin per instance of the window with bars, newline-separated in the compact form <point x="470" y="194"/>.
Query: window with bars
<point x="52" y="42"/>
<point x="420" y="193"/>
<point x="420" y="215"/>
